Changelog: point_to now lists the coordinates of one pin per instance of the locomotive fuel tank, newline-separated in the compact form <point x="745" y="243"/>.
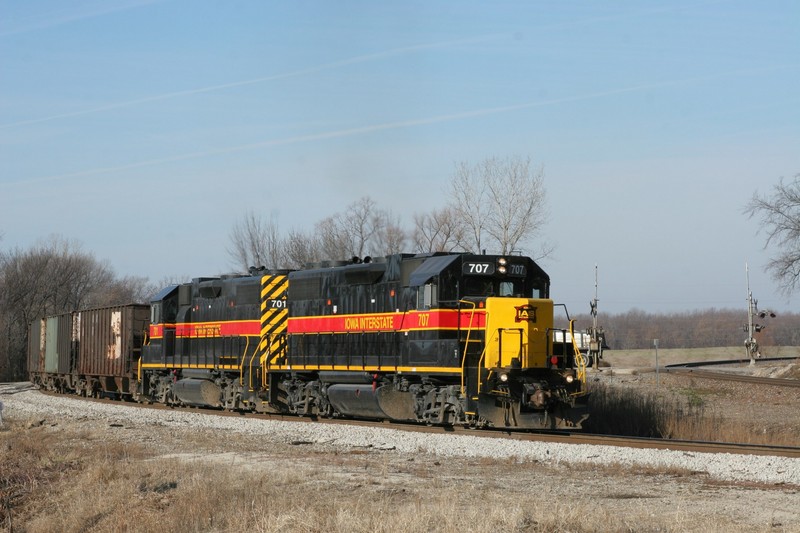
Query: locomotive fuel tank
<point x="197" y="392"/>
<point x="355" y="400"/>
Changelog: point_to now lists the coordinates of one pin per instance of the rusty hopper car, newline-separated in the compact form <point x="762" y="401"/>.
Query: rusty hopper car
<point x="88" y="352"/>
<point x="109" y="347"/>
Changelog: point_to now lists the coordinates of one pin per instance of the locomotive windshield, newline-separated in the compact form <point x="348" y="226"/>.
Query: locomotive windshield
<point x="485" y="287"/>
<point x="482" y="287"/>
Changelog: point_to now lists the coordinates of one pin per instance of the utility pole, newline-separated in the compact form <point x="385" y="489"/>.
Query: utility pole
<point x="655" y="344"/>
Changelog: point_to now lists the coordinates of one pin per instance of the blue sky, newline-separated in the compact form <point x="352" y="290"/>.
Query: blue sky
<point x="146" y="129"/>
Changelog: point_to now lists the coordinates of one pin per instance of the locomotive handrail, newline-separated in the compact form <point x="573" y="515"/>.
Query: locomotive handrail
<point x="499" y="333"/>
<point x="263" y="359"/>
<point x="480" y="365"/>
<point x="244" y="355"/>
<point x="466" y="345"/>
<point x="580" y="362"/>
<point x="255" y="353"/>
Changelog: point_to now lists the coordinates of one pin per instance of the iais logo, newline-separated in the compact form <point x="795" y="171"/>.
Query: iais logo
<point x="525" y="313"/>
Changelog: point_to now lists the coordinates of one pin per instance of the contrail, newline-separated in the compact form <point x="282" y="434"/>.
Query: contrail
<point x="301" y="72"/>
<point x="65" y="16"/>
<point x="349" y="132"/>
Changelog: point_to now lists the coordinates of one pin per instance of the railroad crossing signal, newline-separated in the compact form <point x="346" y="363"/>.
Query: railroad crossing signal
<point x="750" y="343"/>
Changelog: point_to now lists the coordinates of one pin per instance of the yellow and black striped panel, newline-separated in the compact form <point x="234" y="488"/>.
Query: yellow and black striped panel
<point x="274" y="315"/>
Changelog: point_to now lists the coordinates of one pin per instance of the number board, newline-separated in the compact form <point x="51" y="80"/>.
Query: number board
<point x="276" y="304"/>
<point x="478" y="268"/>
<point x="517" y="270"/>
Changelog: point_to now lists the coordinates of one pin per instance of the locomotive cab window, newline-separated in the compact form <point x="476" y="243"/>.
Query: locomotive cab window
<point x="170" y="310"/>
<point x="507" y="289"/>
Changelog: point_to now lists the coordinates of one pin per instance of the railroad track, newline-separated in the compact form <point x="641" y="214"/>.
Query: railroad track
<point x="727" y="376"/>
<point x="555" y="437"/>
<point x="694" y="364"/>
<point x="667" y="444"/>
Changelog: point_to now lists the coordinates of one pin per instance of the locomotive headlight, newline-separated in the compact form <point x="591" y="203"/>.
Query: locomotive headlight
<point x="503" y="377"/>
<point x="569" y="378"/>
<point x="501" y="265"/>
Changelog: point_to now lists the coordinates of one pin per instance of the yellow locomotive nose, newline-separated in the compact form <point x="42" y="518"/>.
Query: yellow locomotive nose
<point x="516" y="332"/>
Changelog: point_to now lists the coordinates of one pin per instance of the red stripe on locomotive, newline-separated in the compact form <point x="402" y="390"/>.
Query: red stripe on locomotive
<point x="434" y="319"/>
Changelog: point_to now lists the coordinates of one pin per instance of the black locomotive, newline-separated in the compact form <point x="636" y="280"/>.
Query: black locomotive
<point x="444" y="338"/>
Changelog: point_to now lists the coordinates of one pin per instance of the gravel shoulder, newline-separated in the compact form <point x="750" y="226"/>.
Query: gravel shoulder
<point x="624" y="489"/>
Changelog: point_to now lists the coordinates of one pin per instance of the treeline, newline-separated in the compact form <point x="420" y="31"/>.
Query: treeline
<point x="53" y="277"/>
<point x="636" y="329"/>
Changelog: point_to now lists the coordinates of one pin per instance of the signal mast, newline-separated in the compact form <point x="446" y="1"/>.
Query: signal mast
<point x="596" y="333"/>
<point x="750" y="343"/>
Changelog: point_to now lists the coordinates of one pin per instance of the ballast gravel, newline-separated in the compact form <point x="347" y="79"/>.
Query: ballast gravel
<point x="20" y="401"/>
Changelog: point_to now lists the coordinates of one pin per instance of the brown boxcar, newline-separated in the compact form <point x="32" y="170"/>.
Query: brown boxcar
<point x="110" y="345"/>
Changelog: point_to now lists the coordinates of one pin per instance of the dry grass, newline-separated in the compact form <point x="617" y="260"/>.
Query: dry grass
<point x="57" y="479"/>
<point x="83" y="477"/>
<point x="680" y="413"/>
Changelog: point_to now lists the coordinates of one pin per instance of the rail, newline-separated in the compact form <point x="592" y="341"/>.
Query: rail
<point x="725" y="376"/>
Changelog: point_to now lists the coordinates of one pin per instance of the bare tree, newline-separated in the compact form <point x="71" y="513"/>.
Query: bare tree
<point x="53" y="277"/>
<point x="517" y="201"/>
<point x="361" y="229"/>
<point x="256" y="242"/>
<point x="502" y="203"/>
<point x="390" y="237"/>
<point x="438" y="231"/>
<point x="335" y="239"/>
<point x="779" y="214"/>
<point x="128" y="289"/>
<point x="302" y="249"/>
<point x="468" y="200"/>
